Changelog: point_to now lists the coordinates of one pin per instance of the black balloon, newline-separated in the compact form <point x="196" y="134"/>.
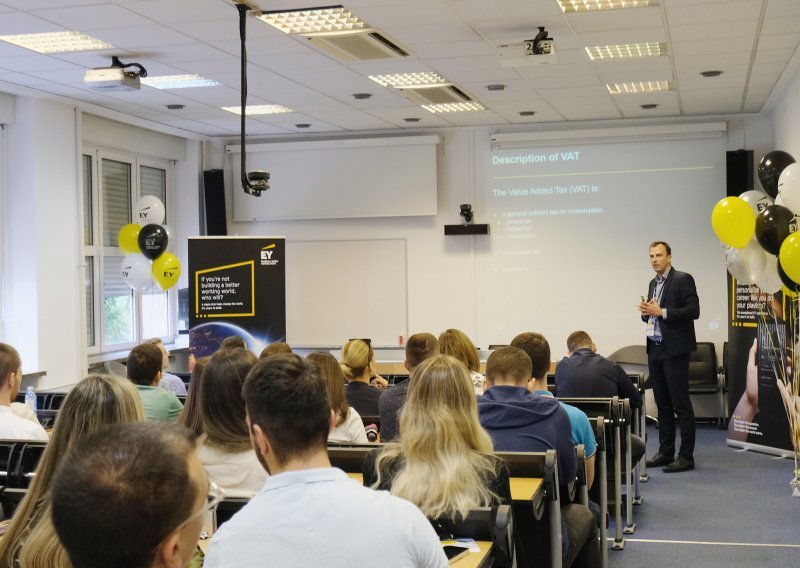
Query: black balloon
<point x="773" y="225"/>
<point x="788" y="282"/>
<point x="770" y="168"/>
<point x="153" y="241"/>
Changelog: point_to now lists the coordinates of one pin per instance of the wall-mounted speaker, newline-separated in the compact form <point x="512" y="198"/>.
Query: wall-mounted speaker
<point x="739" y="171"/>
<point x="477" y="229"/>
<point x="214" y="196"/>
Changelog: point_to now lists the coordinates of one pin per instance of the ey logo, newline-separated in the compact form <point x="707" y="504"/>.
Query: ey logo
<point x="144" y="213"/>
<point x="266" y="252"/>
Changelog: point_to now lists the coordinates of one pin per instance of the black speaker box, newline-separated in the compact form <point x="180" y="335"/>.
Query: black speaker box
<point x="214" y="195"/>
<point x="739" y="171"/>
<point x="466" y="229"/>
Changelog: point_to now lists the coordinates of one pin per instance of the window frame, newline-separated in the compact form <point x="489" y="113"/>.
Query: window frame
<point x="99" y="252"/>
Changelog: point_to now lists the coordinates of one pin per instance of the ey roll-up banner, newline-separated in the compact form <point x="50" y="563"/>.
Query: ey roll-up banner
<point x="237" y="286"/>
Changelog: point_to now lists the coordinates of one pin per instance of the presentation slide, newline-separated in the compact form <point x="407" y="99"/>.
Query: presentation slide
<point x="571" y="225"/>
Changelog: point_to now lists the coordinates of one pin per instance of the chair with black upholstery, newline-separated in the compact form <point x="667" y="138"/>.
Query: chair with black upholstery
<point x="704" y="377"/>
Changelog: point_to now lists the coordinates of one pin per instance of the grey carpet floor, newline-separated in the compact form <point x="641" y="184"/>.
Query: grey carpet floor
<point x="734" y="510"/>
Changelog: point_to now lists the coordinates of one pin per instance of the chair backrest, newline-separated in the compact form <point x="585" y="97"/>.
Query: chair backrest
<point x="703" y="365"/>
<point x="349" y="458"/>
<point x="493" y="524"/>
<point x="27" y="461"/>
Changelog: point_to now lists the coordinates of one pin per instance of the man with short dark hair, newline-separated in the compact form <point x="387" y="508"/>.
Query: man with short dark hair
<point x="309" y="513"/>
<point x="521" y="421"/>
<point x="144" y="370"/>
<point x="131" y="496"/>
<point x="12" y="425"/>
<point x="669" y="311"/>
<point x="419" y="347"/>
<point x="172" y="383"/>
<point x="585" y="373"/>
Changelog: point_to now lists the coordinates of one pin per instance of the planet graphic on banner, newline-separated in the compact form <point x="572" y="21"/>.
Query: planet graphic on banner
<point x="206" y="338"/>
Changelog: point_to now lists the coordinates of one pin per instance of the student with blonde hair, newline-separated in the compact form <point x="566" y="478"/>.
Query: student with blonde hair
<point x="348" y="427"/>
<point x="225" y="449"/>
<point x="275" y="348"/>
<point x="95" y="402"/>
<point x="443" y="461"/>
<point x="358" y="365"/>
<point x="455" y="343"/>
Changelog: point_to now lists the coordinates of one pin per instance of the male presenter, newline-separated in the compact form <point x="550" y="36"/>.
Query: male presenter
<point x="669" y="310"/>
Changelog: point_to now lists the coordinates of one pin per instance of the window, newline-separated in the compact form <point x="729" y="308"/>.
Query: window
<point x="118" y="317"/>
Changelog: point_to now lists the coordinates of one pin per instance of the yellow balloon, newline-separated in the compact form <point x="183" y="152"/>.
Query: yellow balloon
<point x="128" y="238"/>
<point x="734" y="221"/>
<point x="166" y="270"/>
<point x="789" y="256"/>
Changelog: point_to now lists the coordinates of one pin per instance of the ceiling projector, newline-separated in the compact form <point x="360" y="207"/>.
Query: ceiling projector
<point x="541" y="50"/>
<point x="112" y="79"/>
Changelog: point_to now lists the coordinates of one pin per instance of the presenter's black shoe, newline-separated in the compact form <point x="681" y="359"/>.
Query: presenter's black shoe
<point x="659" y="459"/>
<point x="680" y="464"/>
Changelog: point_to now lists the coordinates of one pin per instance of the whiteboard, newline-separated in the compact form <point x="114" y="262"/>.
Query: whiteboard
<point x="344" y="289"/>
<point x="334" y="179"/>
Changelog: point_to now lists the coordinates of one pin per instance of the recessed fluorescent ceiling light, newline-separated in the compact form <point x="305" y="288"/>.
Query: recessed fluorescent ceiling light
<point x="411" y="80"/>
<point x="328" y="20"/>
<point x="454" y="107"/>
<point x="568" y="6"/>
<point x="259" y="109"/>
<point x="178" y="82"/>
<point x="58" y="42"/>
<point x="640" y="87"/>
<point x="627" y="51"/>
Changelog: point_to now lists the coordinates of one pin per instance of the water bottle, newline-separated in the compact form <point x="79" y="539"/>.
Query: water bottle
<point x="30" y="398"/>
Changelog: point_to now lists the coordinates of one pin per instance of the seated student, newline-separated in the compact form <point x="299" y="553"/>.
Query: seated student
<point x="419" y="347"/>
<point x="443" y="460"/>
<point x="95" y="402"/>
<point x="144" y="370"/>
<point x="358" y="365"/>
<point x="12" y="426"/>
<point x="537" y="349"/>
<point x="520" y="421"/>
<point x="455" y="343"/>
<point x="310" y="514"/>
<point x="132" y="496"/>
<point x="275" y="349"/>
<point x="172" y="383"/>
<point x="583" y="372"/>
<point x="349" y="427"/>
<point x="225" y="449"/>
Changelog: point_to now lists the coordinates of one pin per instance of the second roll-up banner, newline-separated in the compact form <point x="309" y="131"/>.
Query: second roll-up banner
<point x="237" y="287"/>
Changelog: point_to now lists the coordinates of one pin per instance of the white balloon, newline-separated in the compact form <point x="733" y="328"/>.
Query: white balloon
<point x="149" y="210"/>
<point x="789" y="187"/>
<point x="171" y="242"/>
<point x="756" y="199"/>
<point x="769" y="280"/>
<point x="779" y="201"/>
<point x="746" y="264"/>
<point x="137" y="271"/>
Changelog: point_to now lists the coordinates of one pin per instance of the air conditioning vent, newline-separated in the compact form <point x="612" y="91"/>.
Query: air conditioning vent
<point x="437" y="95"/>
<point x="362" y="45"/>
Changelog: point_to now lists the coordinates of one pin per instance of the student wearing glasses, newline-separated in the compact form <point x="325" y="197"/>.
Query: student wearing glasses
<point x="132" y="496"/>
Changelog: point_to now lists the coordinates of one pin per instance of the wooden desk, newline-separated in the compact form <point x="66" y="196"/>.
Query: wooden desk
<point x="522" y="488"/>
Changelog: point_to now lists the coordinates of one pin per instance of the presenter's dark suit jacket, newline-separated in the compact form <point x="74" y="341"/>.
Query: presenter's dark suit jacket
<point x="679" y="298"/>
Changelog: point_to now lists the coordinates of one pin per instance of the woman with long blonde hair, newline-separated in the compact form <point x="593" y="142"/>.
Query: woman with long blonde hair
<point x="455" y="343"/>
<point x="349" y="427"/>
<point x="95" y="402"/>
<point x="443" y="461"/>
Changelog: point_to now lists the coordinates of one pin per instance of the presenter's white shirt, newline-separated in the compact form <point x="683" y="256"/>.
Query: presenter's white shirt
<point x="321" y="517"/>
<point x="13" y="427"/>
<point x="351" y="430"/>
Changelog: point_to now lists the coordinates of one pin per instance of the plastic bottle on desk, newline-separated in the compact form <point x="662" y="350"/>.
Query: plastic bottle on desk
<point x="30" y="398"/>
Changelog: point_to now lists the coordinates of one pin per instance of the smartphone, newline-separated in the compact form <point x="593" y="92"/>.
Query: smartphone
<point x="453" y="553"/>
<point x="771" y="353"/>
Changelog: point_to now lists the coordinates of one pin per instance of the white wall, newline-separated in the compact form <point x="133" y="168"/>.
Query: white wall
<point x="42" y="297"/>
<point x="443" y="271"/>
